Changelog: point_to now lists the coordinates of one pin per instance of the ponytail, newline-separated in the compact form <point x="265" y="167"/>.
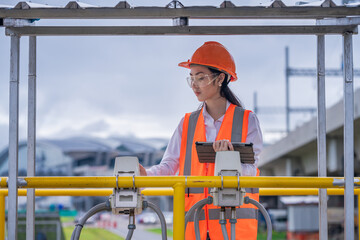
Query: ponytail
<point x="225" y="91"/>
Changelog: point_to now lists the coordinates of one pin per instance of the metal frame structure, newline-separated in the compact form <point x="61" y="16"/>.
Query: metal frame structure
<point x="309" y="72"/>
<point x="330" y="19"/>
<point x="307" y="185"/>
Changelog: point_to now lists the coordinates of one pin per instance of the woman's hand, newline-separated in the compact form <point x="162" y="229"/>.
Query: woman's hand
<point x="223" y="145"/>
<point x="142" y="170"/>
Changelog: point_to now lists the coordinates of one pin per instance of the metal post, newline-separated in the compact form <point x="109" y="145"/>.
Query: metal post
<point x="31" y="142"/>
<point x="287" y="103"/>
<point x="321" y="134"/>
<point x="179" y="211"/>
<point x="348" y="136"/>
<point x="13" y="136"/>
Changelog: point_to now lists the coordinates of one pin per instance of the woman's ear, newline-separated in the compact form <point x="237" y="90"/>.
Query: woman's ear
<point x="221" y="79"/>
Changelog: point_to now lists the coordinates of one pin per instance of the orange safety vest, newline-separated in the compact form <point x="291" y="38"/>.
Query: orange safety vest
<point x="234" y="128"/>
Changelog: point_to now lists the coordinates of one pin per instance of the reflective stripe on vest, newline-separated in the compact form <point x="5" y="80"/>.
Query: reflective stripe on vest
<point x="241" y="213"/>
<point x="190" y="138"/>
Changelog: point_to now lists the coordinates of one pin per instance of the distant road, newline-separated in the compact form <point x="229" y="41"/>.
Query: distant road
<point x="140" y="232"/>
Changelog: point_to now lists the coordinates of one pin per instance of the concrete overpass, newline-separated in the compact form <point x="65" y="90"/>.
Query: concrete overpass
<point x="296" y="154"/>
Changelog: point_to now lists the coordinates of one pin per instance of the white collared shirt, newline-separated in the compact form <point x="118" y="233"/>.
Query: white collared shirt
<point x="169" y="164"/>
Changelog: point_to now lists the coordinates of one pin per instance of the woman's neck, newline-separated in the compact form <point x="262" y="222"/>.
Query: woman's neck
<point x="216" y="108"/>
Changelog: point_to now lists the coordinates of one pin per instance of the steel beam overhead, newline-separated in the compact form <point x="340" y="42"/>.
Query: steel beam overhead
<point x="298" y="12"/>
<point x="179" y="30"/>
<point x="339" y="21"/>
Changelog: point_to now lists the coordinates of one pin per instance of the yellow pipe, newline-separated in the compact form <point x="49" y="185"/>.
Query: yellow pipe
<point x="300" y="191"/>
<point x="192" y="181"/>
<point x="179" y="211"/>
<point x="303" y="187"/>
<point x="64" y="192"/>
<point x="75" y="182"/>
<point x="74" y="192"/>
<point x="89" y="192"/>
<point x="263" y="191"/>
<point x="179" y="194"/>
<point x="2" y="217"/>
<point x="158" y="192"/>
<point x="170" y="192"/>
<point x="3" y="182"/>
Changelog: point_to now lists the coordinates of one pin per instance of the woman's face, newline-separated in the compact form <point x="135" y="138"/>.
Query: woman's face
<point x="204" y="84"/>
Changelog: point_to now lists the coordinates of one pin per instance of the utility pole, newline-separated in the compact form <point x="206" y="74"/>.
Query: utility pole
<point x="307" y="72"/>
<point x="287" y="97"/>
<point x="294" y="72"/>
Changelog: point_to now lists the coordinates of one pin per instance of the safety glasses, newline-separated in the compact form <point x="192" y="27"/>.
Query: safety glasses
<point x="201" y="80"/>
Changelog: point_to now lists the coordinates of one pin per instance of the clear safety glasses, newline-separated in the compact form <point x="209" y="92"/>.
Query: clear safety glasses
<point x="201" y="80"/>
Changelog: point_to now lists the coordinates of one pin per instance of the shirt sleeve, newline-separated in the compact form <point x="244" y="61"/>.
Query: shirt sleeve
<point x="169" y="164"/>
<point x="254" y="136"/>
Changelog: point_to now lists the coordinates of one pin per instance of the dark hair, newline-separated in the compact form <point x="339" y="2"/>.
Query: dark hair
<point x="225" y="91"/>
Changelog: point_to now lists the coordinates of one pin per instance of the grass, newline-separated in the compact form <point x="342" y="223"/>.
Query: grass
<point x="92" y="234"/>
<point x="275" y="235"/>
<point x="158" y="231"/>
<point x="67" y="219"/>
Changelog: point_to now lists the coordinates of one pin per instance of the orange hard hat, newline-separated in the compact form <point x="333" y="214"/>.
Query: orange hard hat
<point x="215" y="55"/>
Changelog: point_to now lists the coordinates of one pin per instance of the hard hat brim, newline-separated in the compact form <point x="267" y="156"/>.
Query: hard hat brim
<point x="188" y="63"/>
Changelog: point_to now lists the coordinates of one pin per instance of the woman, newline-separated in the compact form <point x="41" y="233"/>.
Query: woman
<point x="221" y="120"/>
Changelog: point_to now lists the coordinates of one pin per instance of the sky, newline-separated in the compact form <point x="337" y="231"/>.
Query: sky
<point x="132" y="85"/>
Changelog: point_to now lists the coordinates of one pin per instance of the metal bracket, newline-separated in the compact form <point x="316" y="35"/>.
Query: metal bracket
<point x="356" y="183"/>
<point x="238" y="179"/>
<point x="134" y="188"/>
<point x="9" y="32"/>
<point x="222" y="181"/>
<point x="21" y="182"/>
<point x="117" y="182"/>
<point x="181" y="21"/>
<point x="338" y="182"/>
<point x="341" y="182"/>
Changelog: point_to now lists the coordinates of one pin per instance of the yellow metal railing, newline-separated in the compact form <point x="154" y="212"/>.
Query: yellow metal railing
<point x="270" y="186"/>
<point x="190" y="181"/>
